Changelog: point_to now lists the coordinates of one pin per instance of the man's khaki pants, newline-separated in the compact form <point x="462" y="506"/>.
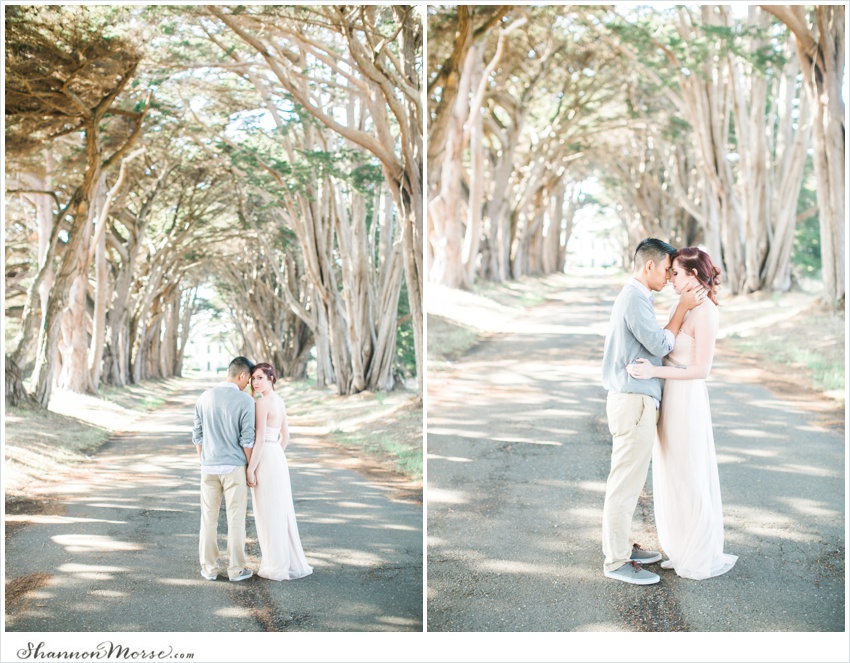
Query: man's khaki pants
<point x="631" y="419"/>
<point x="234" y="487"/>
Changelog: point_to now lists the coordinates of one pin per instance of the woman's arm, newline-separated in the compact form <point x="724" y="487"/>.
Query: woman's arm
<point x="705" y="335"/>
<point x="261" y="411"/>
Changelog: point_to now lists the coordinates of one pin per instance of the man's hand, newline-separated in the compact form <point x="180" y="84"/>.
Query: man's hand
<point x="252" y="478"/>
<point x="692" y="296"/>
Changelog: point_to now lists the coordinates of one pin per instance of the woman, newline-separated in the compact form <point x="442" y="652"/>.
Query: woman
<point x="268" y="475"/>
<point x="686" y="485"/>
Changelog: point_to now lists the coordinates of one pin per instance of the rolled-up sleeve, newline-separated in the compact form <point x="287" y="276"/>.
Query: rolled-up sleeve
<point x="198" y="429"/>
<point x="246" y="436"/>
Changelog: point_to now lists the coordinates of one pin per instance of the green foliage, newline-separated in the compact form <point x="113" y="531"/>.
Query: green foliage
<point x="60" y="63"/>
<point x="228" y="170"/>
<point x="258" y="153"/>
<point x="824" y="365"/>
<point x="806" y="257"/>
<point x="285" y="238"/>
<point x="405" y="361"/>
<point x="366" y="176"/>
<point x="650" y="33"/>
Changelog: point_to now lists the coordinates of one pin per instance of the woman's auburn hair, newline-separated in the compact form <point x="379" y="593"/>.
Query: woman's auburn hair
<point x="266" y="368"/>
<point x="695" y="259"/>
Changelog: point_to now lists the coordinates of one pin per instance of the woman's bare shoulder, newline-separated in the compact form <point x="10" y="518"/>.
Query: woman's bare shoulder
<point x="706" y="313"/>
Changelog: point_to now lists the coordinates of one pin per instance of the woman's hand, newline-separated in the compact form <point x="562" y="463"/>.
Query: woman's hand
<point x="252" y="478"/>
<point x="642" y="369"/>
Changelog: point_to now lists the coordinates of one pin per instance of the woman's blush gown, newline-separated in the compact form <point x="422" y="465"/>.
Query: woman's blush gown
<point x="686" y="483"/>
<point x="282" y="557"/>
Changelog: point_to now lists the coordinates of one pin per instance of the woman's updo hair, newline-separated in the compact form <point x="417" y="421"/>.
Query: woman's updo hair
<point x="266" y="368"/>
<point x="707" y="273"/>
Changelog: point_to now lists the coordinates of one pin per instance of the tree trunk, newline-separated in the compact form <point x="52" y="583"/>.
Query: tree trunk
<point x="324" y="366"/>
<point x="78" y="209"/>
<point x="472" y="240"/>
<point x="170" y="331"/>
<point x="35" y="308"/>
<point x="446" y="228"/>
<point x="382" y="94"/>
<point x="790" y="142"/>
<point x="101" y="296"/>
<point x="497" y="213"/>
<point x="553" y="231"/>
<point x="534" y="250"/>
<point x="187" y="310"/>
<point x="15" y="393"/>
<point x="820" y="49"/>
<point x="409" y="199"/>
<point x="524" y="216"/>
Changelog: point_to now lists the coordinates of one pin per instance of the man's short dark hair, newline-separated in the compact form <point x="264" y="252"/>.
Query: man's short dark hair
<point x="238" y="366"/>
<point x="652" y="249"/>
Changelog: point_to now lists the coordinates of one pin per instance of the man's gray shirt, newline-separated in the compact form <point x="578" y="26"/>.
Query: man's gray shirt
<point x="634" y="332"/>
<point x="224" y="425"/>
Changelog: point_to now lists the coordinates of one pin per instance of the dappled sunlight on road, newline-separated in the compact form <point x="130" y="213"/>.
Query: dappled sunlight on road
<point x="345" y="556"/>
<point x="518" y="457"/>
<point x="752" y="432"/>
<point x="128" y="527"/>
<point x="592" y="486"/>
<point x="400" y="622"/>
<point x="85" y="543"/>
<point x="451" y="459"/>
<point x="507" y="566"/>
<point x="439" y="495"/>
<point x="744" y="524"/>
<point x="94" y="572"/>
<point x="109" y="594"/>
<point x="234" y="612"/>
<point x="57" y="520"/>
<point x="400" y="528"/>
<point x="809" y="470"/>
<point x="184" y="582"/>
<point x="812" y="508"/>
<point x="480" y="435"/>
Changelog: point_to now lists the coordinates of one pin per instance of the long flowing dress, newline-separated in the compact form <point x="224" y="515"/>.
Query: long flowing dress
<point x="282" y="557"/>
<point x="685" y="480"/>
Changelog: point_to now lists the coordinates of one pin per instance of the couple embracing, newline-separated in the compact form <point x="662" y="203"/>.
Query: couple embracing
<point x="660" y="411"/>
<point x="240" y="444"/>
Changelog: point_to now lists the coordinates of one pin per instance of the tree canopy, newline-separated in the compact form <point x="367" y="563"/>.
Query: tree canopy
<point x="694" y="124"/>
<point x="271" y="155"/>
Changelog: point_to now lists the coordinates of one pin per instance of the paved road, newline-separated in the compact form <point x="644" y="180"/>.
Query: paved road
<point x="518" y="455"/>
<point x="118" y="550"/>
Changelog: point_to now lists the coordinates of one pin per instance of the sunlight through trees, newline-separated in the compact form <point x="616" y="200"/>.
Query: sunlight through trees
<point x="272" y="153"/>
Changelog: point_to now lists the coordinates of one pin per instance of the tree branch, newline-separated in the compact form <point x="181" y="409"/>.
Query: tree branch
<point x="52" y="194"/>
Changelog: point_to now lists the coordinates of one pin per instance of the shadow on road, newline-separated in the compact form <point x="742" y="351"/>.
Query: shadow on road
<point x="118" y="549"/>
<point x="518" y="456"/>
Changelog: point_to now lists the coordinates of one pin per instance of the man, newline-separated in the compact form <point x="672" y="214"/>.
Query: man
<point x="632" y="406"/>
<point x="224" y="436"/>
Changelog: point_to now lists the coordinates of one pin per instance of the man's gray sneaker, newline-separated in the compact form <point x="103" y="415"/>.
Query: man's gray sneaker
<point x="209" y="576"/>
<point x="633" y="573"/>
<point x="244" y="575"/>
<point x="644" y="556"/>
